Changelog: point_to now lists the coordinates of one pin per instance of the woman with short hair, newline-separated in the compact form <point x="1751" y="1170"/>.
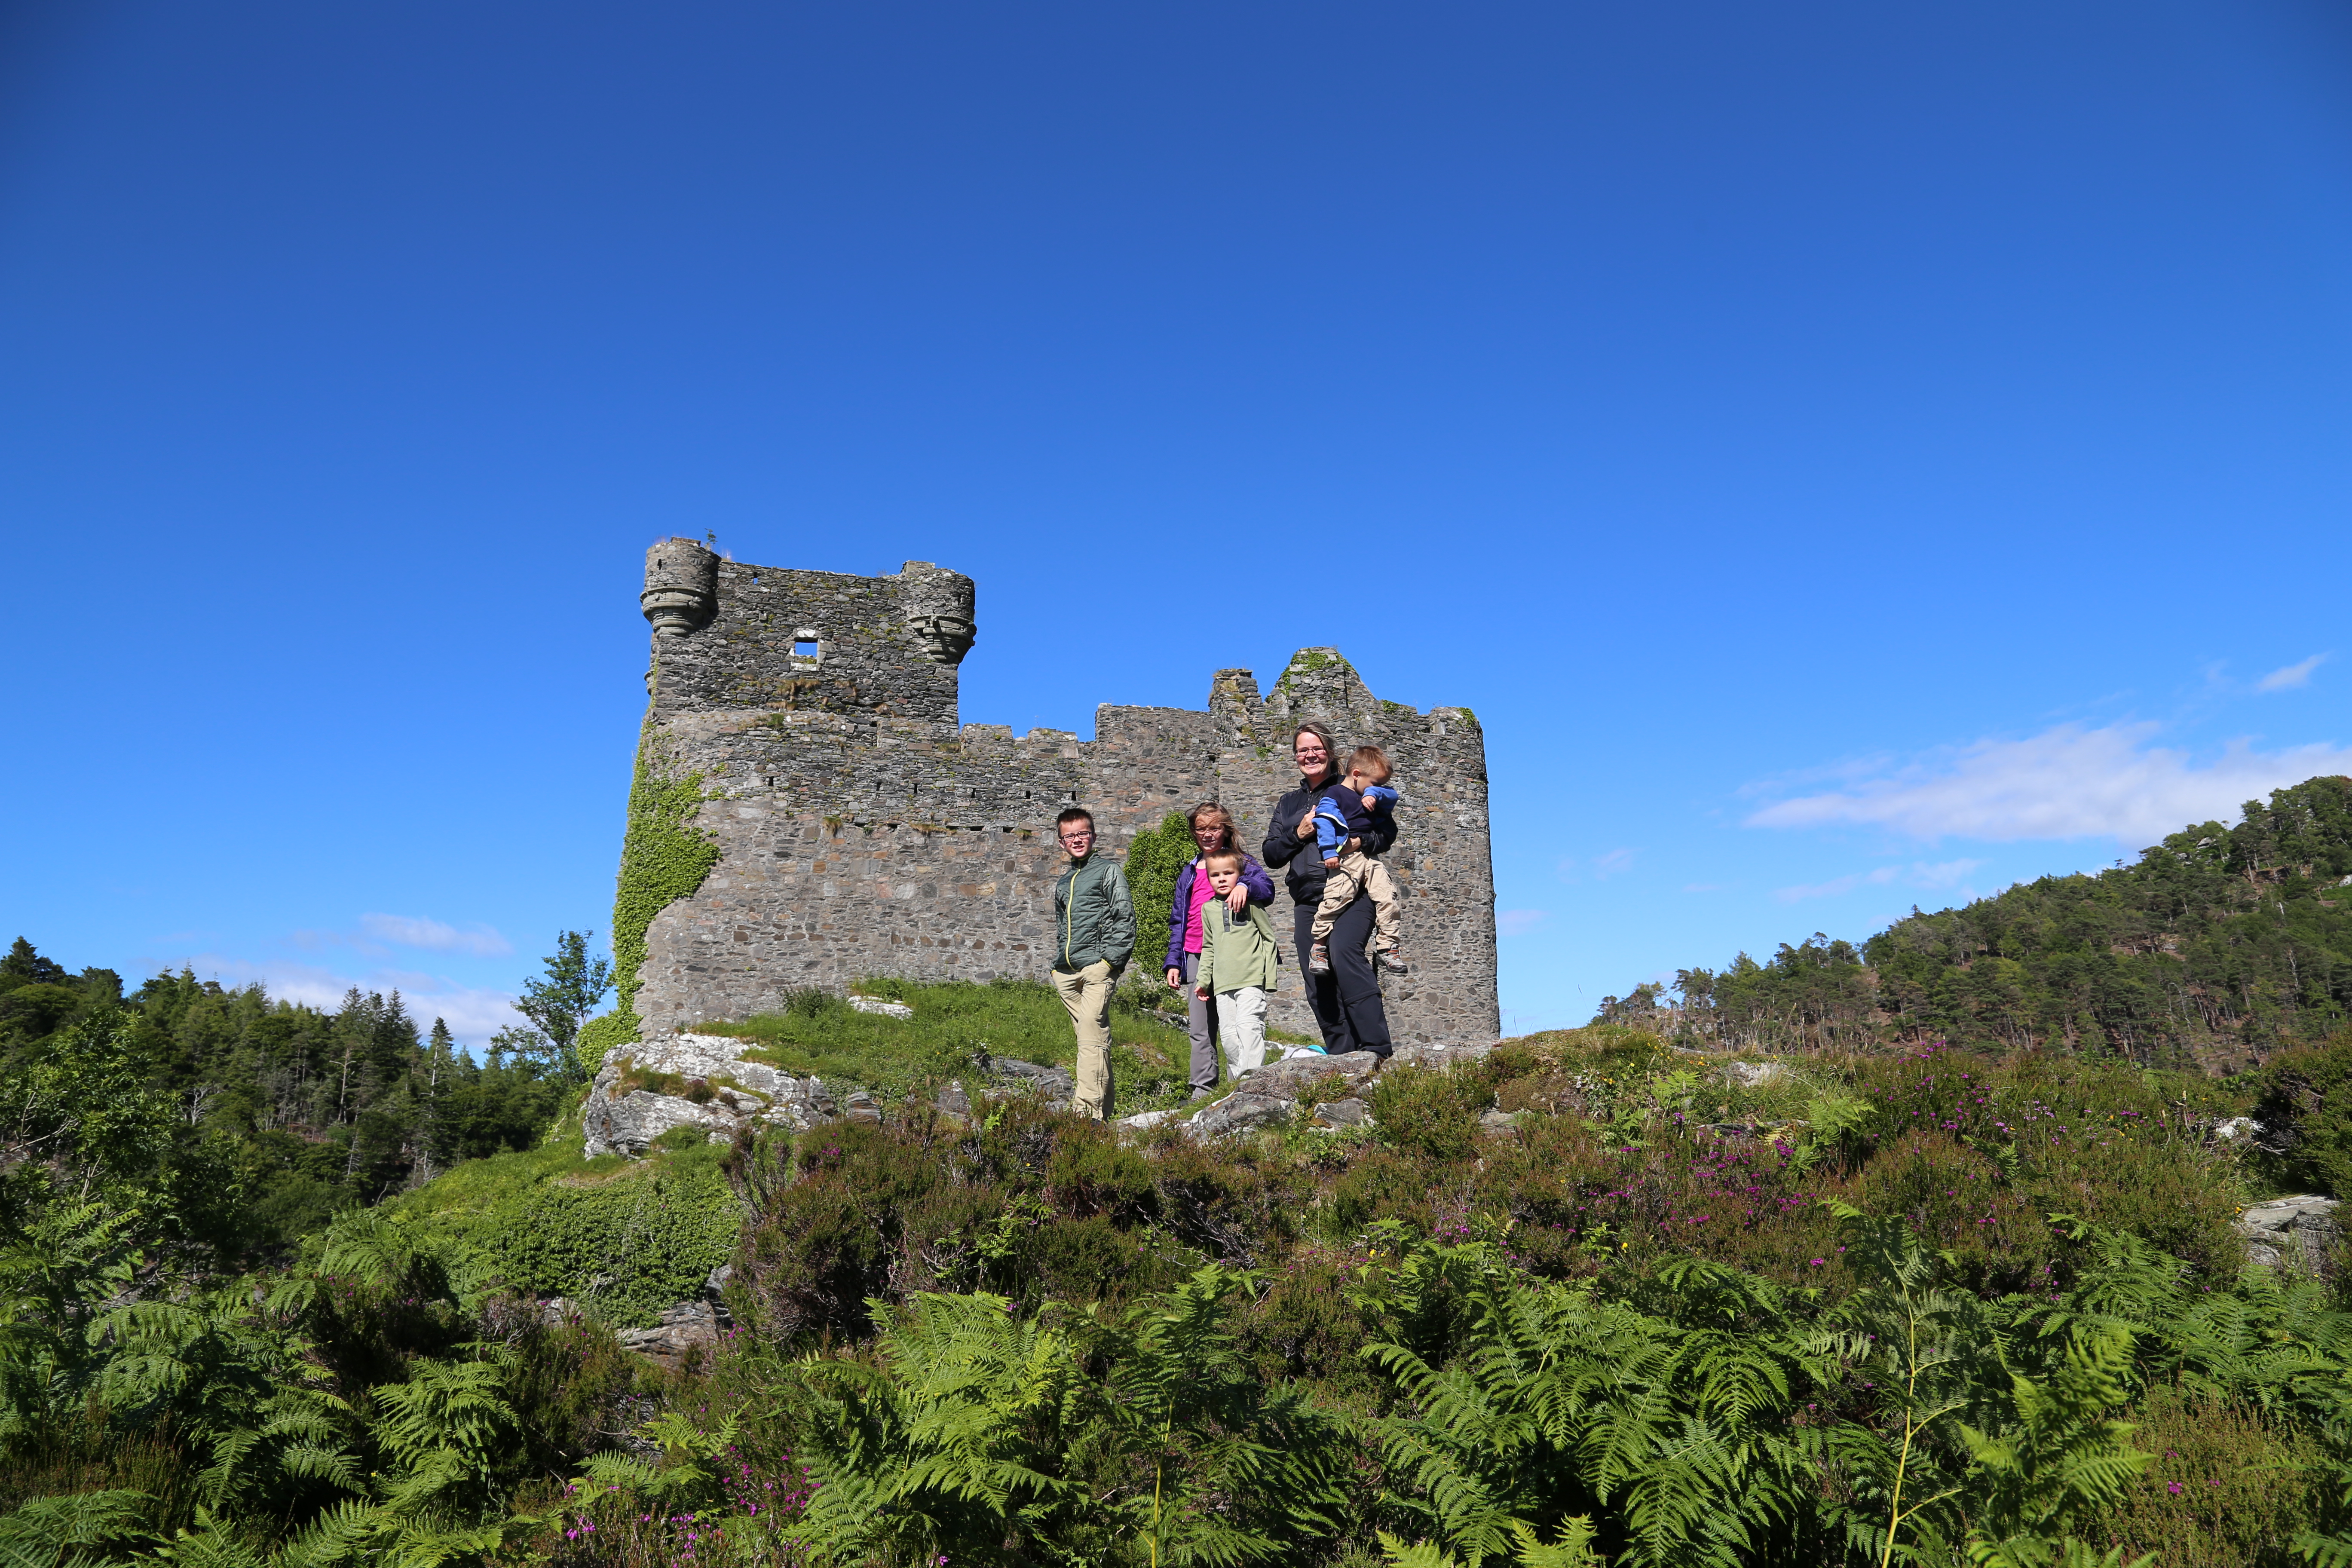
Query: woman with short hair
<point x="1213" y="830"/>
<point x="1346" y="997"/>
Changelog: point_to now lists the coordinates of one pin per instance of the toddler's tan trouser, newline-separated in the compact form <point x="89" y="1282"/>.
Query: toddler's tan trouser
<point x="1358" y="871"/>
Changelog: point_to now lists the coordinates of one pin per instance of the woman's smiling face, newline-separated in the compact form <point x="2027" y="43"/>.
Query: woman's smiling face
<point x="1310" y="753"/>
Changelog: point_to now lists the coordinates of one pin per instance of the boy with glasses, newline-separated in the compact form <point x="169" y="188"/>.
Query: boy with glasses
<point x="1093" y="935"/>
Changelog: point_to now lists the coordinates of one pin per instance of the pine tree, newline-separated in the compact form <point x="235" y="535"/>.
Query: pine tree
<point x="437" y="1077"/>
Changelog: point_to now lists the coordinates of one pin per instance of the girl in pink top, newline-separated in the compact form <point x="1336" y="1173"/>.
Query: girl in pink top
<point x="1212" y="829"/>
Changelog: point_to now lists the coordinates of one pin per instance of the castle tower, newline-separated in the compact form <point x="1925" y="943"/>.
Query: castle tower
<point x="802" y="755"/>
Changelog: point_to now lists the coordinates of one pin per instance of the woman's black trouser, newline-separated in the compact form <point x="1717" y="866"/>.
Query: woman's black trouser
<point x="1346" y="997"/>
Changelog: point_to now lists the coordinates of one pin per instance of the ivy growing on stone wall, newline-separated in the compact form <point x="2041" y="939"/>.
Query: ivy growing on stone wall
<point x="664" y="859"/>
<point x="1154" y="858"/>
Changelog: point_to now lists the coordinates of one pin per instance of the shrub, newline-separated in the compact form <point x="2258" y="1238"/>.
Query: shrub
<point x="623" y="1240"/>
<point x="2227" y="1488"/>
<point x="2306" y="1111"/>
<point x="627" y="1246"/>
<point x="1429" y="1112"/>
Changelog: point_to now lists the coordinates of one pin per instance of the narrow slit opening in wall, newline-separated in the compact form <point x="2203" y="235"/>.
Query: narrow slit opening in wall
<point x="804" y="647"/>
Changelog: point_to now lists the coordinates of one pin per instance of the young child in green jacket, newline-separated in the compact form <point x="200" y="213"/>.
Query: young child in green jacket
<point x="1237" y="964"/>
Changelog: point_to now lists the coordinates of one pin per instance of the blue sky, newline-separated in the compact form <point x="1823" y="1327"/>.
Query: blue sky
<point x="1849" y="455"/>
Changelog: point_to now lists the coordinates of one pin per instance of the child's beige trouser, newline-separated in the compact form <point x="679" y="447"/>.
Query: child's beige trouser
<point x="1241" y="1024"/>
<point x="1358" y="870"/>
<point x="1086" y="993"/>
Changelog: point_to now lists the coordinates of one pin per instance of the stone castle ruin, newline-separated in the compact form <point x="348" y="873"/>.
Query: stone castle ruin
<point x="861" y="830"/>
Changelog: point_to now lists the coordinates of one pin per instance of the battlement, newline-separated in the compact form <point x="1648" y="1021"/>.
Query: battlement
<point x="862" y="830"/>
<point x="728" y="636"/>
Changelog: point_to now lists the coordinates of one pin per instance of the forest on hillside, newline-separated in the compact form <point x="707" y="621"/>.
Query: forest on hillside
<point x="261" y="1117"/>
<point x="2215" y="947"/>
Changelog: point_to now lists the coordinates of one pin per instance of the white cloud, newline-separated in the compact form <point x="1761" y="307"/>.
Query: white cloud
<point x="1609" y="865"/>
<point x="1515" y="922"/>
<point x="434" y="936"/>
<point x="1920" y="873"/>
<point x="2290" y="676"/>
<point x="472" y="1013"/>
<point x="2065" y="783"/>
<point x="1839" y="885"/>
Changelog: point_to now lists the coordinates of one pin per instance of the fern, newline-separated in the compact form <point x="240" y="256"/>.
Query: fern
<point x="686" y="1473"/>
<point x="1925" y="1357"/>
<point x="953" y="1443"/>
<point x="1238" y="1471"/>
<point x="2063" y="1459"/>
<point x="77" y="1532"/>
<point x="1555" y="1398"/>
<point x="979" y="1431"/>
<point x="2324" y="1550"/>
<point x="1573" y="1549"/>
<point x="54" y="1282"/>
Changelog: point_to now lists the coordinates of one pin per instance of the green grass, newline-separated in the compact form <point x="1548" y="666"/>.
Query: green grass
<point x="821" y="1034"/>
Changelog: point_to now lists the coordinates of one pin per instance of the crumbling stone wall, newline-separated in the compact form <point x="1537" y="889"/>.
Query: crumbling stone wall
<point x="861" y="831"/>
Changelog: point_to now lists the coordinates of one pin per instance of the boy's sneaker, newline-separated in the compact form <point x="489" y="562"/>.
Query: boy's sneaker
<point x="1319" y="958"/>
<point x="1391" y="962"/>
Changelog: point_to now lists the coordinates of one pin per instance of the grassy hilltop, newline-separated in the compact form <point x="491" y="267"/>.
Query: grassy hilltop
<point x="1900" y="1285"/>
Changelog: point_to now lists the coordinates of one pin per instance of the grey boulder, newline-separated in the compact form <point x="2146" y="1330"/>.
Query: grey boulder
<point x="2303" y="1227"/>
<point x="733" y="1093"/>
<point x="1237" y="1113"/>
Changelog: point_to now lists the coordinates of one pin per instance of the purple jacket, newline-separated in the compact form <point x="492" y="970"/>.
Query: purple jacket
<point x="1254" y="878"/>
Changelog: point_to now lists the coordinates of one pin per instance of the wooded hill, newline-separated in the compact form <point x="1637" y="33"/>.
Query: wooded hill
<point x="2219" y="945"/>
<point x="261" y="1117"/>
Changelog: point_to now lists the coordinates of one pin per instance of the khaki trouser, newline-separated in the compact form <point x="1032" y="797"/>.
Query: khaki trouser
<point x="1086" y="995"/>
<point x="1358" y="871"/>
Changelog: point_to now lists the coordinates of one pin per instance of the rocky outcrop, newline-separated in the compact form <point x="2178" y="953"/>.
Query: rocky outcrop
<point x="694" y="1081"/>
<point x="1051" y="1083"/>
<point x="1238" y="1112"/>
<point x="682" y="1328"/>
<point x="1286" y="1078"/>
<point x="2297" y="1230"/>
<point x="703" y="1082"/>
<point x="1266" y="1096"/>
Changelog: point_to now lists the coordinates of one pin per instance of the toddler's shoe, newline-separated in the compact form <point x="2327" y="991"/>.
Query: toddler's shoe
<point x="1392" y="963"/>
<point x="1319" y="958"/>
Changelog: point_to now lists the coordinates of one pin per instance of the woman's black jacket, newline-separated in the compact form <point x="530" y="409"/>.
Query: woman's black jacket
<point x="1283" y="846"/>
